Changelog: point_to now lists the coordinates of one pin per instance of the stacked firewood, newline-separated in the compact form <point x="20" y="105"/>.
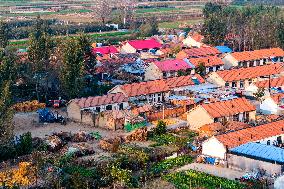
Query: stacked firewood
<point x="137" y="135"/>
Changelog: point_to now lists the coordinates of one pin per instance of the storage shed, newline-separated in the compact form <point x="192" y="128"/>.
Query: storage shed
<point x="255" y="156"/>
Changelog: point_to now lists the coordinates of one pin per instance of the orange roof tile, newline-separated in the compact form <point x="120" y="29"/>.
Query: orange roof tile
<point x="212" y="127"/>
<point x="197" y="37"/>
<point x="228" y="107"/>
<point x="101" y="100"/>
<point x="251" y="72"/>
<point x="160" y="85"/>
<point x="251" y="134"/>
<point x="143" y="88"/>
<point x="277" y="97"/>
<point x="182" y="81"/>
<point x="258" y="54"/>
<point x="208" y="61"/>
<point x="275" y="82"/>
<point x="200" y="52"/>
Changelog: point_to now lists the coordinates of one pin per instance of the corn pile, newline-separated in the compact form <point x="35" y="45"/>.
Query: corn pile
<point x="23" y="176"/>
<point x="28" y="106"/>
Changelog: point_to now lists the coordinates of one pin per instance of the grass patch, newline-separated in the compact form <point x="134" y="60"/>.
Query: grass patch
<point x="167" y="164"/>
<point x="153" y="10"/>
<point x="176" y="24"/>
<point x="195" y="179"/>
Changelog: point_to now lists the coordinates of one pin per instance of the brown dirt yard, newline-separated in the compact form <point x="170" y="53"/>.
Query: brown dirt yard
<point x="28" y="122"/>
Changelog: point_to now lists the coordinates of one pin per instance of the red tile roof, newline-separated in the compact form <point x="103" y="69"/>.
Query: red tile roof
<point x="277" y="97"/>
<point x="251" y="134"/>
<point x="197" y="37"/>
<point x="145" y="44"/>
<point x="208" y="61"/>
<point x="258" y="54"/>
<point x="201" y="52"/>
<point x="275" y="82"/>
<point x="101" y="100"/>
<point x="105" y="50"/>
<point x="143" y="88"/>
<point x="160" y="85"/>
<point x="228" y="107"/>
<point x="183" y="81"/>
<point x="172" y="65"/>
<point x="251" y="72"/>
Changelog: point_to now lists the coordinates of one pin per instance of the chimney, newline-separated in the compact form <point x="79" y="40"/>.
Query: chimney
<point x="251" y="136"/>
<point x="282" y="129"/>
<point x="239" y="138"/>
<point x="208" y="60"/>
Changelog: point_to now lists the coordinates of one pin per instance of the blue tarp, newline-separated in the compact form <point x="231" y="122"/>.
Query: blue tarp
<point x="259" y="151"/>
<point x="224" y="49"/>
<point x="210" y="160"/>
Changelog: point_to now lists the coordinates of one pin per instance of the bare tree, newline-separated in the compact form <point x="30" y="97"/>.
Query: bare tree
<point x="102" y="9"/>
<point x="126" y="8"/>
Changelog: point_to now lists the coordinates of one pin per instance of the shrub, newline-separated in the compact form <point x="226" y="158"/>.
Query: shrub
<point x="25" y="144"/>
<point x="161" y="128"/>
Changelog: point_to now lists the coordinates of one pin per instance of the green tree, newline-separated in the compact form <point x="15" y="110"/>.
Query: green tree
<point x="72" y="69"/>
<point x="201" y="69"/>
<point x="259" y="94"/>
<point x="149" y="28"/>
<point x="6" y="115"/>
<point x="8" y="66"/>
<point x="3" y="34"/>
<point x="161" y="128"/>
<point x="40" y="46"/>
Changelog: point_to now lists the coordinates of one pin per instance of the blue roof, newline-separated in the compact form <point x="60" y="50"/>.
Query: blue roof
<point x="259" y="151"/>
<point x="224" y="49"/>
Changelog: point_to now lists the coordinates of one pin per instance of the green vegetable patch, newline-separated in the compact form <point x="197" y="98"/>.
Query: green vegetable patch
<point x="194" y="179"/>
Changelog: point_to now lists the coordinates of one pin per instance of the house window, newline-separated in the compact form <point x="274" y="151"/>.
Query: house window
<point x="251" y="64"/>
<point x="250" y="81"/>
<point x="215" y="120"/>
<point x="164" y="74"/>
<point x="240" y="64"/>
<point x="121" y="106"/>
<point x="236" y="117"/>
<point x="234" y="84"/>
<point x="227" y="84"/>
<point x="268" y="142"/>
<point x="98" y="109"/>
<point x="279" y="140"/>
<point x="109" y="107"/>
<point x="241" y="84"/>
<point x="211" y="69"/>
<point x="281" y="59"/>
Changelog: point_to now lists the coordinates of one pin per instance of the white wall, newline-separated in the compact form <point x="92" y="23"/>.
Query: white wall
<point x="229" y="61"/>
<point x="152" y="72"/>
<point x="127" y="48"/>
<point x="212" y="147"/>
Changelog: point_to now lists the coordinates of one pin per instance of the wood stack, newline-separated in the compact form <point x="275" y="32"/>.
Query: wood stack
<point x="28" y="106"/>
<point x="110" y="144"/>
<point x="137" y="135"/>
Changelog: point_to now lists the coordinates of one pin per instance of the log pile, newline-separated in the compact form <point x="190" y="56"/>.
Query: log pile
<point x="137" y="135"/>
<point x="54" y="143"/>
<point x="110" y="144"/>
<point x="28" y="106"/>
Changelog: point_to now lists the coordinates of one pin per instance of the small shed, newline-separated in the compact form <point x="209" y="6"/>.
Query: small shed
<point x="256" y="156"/>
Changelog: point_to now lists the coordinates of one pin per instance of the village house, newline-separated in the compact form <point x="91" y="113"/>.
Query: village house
<point x="194" y="40"/>
<point x="156" y="91"/>
<point x="253" y="58"/>
<point x="137" y="46"/>
<point x="237" y="109"/>
<point x="243" y="77"/>
<point x="277" y="83"/>
<point x="105" y="50"/>
<point x="211" y="63"/>
<point x="272" y="104"/>
<point x="257" y="156"/>
<point x="268" y="134"/>
<point x="151" y="91"/>
<point x="198" y="52"/>
<point x="167" y="68"/>
<point x="97" y="104"/>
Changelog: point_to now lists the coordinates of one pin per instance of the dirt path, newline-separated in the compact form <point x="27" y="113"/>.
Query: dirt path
<point x="214" y="170"/>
